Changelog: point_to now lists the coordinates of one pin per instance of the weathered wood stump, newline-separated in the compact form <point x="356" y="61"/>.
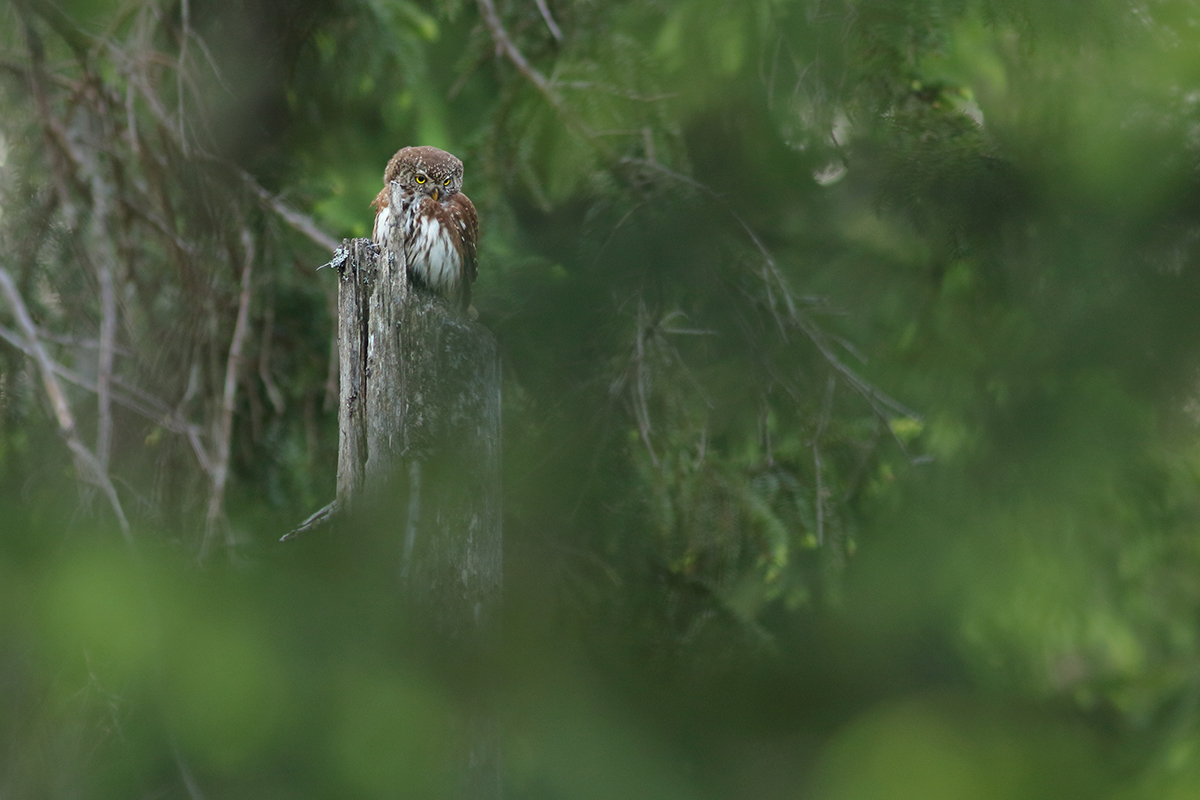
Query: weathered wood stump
<point x="419" y="417"/>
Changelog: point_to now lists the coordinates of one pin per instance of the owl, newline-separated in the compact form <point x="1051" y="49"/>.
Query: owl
<point x="439" y="226"/>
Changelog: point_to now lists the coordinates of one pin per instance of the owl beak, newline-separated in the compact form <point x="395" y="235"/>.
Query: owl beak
<point x="435" y="195"/>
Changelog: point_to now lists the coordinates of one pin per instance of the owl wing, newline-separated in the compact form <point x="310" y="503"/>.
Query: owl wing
<point x="462" y="210"/>
<point x="382" y="212"/>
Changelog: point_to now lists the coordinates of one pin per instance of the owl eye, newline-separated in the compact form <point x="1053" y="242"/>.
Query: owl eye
<point x="420" y="179"/>
<point x="446" y="182"/>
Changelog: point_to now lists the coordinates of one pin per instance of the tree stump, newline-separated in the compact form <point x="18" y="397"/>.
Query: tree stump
<point x="419" y="415"/>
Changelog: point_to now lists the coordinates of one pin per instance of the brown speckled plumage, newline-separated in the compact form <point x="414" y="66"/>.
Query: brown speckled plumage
<point x="439" y="225"/>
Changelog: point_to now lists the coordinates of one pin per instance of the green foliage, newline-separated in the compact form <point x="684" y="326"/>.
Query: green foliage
<point x="849" y="353"/>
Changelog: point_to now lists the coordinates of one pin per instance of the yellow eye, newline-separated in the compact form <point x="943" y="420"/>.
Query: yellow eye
<point x="446" y="182"/>
<point x="420" y="179"/>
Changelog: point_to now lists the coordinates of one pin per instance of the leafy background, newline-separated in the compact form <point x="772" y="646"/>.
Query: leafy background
<point x="850" y="396"/>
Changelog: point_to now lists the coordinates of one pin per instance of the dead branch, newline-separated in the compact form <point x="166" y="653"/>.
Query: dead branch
<point x="818" y="465"/>
<point x="642" y="376"/>
<point x="615" y="91"/>
<point x="301" y="222"/>
<point x="114" y="142"/>
<point x="123" y="394"/>
<point x="873" y="395"/>
<point x="775" y="282"/>
<point x="550" y="23"/>
<point x="223" y="432"/>
<point x="173" y="128"/>
<point x="77" y="342"/>
<point x="264" y="361"/>
<point x="180" y="71"/>
<point x="103" y="265"/>
<point x="315" y="520"/>
<point x="87" y="465"/>
<point x="79" y="42"/>
<point x="505" y="47"/>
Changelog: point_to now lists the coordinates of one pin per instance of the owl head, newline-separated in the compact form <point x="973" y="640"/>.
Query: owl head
<point x="425" y="172"/>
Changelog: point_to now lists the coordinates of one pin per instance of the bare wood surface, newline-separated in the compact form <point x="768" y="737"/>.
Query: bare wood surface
<point x="452" y="430"/>
<point x="452" y="562"/>
<point x="386" y="386"/>
<point x="355" y="277"/>
<point x="452" y="565"/>
<point x="419" y="427"/>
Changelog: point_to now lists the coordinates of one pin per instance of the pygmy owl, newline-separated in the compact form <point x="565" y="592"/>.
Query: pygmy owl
<point x="439" y="226"/>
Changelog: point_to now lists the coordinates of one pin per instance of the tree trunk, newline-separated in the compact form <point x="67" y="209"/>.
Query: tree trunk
<point x="355" y="278"/>
<point x="419" y="415"/>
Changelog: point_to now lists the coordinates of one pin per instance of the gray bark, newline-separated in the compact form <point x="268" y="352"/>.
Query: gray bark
<point x="419" y="417"/>
<point x="355" y="278"/>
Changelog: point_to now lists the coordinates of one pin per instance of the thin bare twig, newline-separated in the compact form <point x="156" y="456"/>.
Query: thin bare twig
<point x="775" y="281"/>
<point x="130" y="397"/>
<point x="616" y="91"/>
<point x="73" y="377"/>
<point x="103" y="264"/>
<point x="642" y="376"/>
<point x="131" y="119"/>
<point x="77" y="342"/>
<point x="786" y="308"/>
<point x="550" y="23"/>
<point x="179" y="71"/>
<point x="301" y="222"/>
<point x="185" y="772"/>
<point x="315" y="520"/>
<point x="57" y="145"/>
<point x="86" y="463"/>
<point x="223" y="432"/>
<point x="81" y="120"/>
<point x="505" y="47"/>
<point x="264" y="361"/>
<point x="768" y="260"/>
<point x="874" y="396"/>
<point x="159" y="224"/>
<point x="818" y="466"/>
<point x="212" y="63"/>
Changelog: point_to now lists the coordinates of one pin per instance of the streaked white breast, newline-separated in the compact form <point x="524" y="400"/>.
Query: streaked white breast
<point x="432" y="258"/>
